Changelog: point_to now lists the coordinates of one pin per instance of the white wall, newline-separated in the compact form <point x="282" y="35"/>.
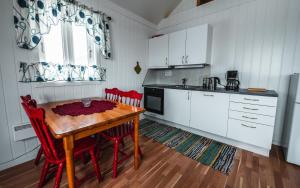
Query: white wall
<point x="259" y="38"/>
<point x="130" y="35"/>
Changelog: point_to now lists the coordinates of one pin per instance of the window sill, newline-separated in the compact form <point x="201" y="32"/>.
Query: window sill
<point x="63" y="83"/>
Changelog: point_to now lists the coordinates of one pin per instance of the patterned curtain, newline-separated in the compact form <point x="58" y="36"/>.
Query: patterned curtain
<point x="34" y="18"/>
<point x="45" y="72"/>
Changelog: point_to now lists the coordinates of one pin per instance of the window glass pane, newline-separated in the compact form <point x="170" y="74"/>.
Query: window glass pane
<point x="53" y="47"/>
<point x="80" y="47"/>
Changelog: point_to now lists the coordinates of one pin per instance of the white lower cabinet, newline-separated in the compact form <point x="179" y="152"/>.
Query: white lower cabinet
<point x="243" y="118"/>
<point x="251" y="133"/>
<point x="177" y="106"/>
<point x="252" y="119"/>
<point x="209" y="112"/>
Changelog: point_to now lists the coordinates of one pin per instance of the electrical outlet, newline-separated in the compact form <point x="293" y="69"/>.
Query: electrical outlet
<point x="168" y="73"/>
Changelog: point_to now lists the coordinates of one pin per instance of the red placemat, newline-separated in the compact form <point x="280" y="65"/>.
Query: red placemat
<point x="77" y="108"/>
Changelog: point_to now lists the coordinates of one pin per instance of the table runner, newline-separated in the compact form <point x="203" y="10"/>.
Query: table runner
<point x="77" y="108"/>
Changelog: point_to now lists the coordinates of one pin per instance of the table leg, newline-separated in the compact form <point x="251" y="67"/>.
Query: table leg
<point x="136" y="142"/>
<point x="69" y="145"/>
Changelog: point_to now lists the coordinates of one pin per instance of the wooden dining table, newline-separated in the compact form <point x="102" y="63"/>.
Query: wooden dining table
<point x="71" y="128"/>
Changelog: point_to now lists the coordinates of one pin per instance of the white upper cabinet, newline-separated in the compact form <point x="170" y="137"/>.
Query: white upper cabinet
<point x="191" y="46"/>
<point x="209" y="112"/>
<point x="177" y="106"/>
<point x="198" y="45"/>
<point x="177" y="48"/>
<point x="158" y="52"/>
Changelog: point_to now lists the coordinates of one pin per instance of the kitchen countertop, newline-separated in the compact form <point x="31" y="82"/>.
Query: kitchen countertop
<point x="268" y="93"/>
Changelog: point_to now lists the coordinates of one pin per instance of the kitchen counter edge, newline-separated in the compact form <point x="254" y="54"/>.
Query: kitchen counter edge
<point x="268" y="93"/>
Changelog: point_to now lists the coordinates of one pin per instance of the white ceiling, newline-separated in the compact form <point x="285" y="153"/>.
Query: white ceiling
<point x="151" y="10"/>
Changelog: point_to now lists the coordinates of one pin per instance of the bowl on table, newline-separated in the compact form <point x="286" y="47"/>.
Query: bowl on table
<point x="86" y="102"/>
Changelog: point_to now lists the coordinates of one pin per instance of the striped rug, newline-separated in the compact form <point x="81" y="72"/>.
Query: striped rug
<point x="217" y="155"/>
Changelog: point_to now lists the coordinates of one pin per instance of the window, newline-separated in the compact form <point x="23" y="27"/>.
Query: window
<point x="68" y="44"/>
<point x="82" y="53"/>
<point x="53" y="46"/>
<point x="68" y="51"/>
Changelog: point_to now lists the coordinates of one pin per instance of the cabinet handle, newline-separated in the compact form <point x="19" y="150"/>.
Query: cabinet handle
<point x="206" y="95"/>
<point x="248" y="117"/>
<point x="252" y="127"/>
<point x="182" y="60"/>
<point x="246" y="108"/>
<point x="188" y="94"/>
<point x="166" y="60"/>
<point x="251" y="99"/>
<point x="186" y="59"/>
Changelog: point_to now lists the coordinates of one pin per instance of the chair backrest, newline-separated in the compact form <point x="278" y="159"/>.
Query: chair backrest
<point x="37" y="120"/>
<point x="28" y="100"/>
<point x="131" y="98"/>
<point x="25" y="98"/>
<point x="112" y="94"/>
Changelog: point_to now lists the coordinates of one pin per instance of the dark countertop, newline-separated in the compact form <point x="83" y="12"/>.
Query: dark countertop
<point x="268" y="93"/>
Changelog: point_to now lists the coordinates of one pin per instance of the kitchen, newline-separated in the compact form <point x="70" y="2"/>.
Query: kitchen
<point x="183" y="93"/>
<point x="233" y="115"/>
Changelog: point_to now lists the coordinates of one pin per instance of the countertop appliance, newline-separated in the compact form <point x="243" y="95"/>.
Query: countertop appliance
<point x="154" y="100"/>
<point x="233" y="82"/>
<point x="211" y="83"/>
<point x="292" y="122"/>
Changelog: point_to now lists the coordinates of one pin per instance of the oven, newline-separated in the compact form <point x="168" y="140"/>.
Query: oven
<point x="154" y="100"/>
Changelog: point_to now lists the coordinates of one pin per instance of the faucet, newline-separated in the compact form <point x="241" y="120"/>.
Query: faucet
<point x="184" y="80"/>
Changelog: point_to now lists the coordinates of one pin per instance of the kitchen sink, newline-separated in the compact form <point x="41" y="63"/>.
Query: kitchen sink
<point x="186" y="86"/>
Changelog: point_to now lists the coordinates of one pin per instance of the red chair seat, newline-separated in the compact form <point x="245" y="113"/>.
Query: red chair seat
<point x="121" y="131"/>
<point x="80" y="146"/>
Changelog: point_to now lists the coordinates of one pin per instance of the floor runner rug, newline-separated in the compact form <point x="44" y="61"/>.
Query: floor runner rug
<point x="217" y="155"/>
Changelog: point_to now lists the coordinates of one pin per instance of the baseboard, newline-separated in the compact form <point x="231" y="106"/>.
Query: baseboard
<point x="23" y="159"/>
<point x="277" y="143"/>
<point x="248" y="147"/>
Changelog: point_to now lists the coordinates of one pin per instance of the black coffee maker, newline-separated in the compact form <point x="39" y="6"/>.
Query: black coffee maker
<point x="233" y="82"/>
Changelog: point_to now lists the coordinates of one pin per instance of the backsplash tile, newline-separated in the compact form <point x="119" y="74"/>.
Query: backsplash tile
<point x="174" y="76"/>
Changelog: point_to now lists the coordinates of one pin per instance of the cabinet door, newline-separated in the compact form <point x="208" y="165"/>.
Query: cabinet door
<point x="209" y="112"/>
<point x="177" y="47"/>
<point x="198" y="44"/>
<point x="177" y="106"/>
<point x="158" y="52"/>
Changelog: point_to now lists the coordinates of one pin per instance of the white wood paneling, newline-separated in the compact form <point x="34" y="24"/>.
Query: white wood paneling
<point x="5" y="147"/>
<point x="259" y="38"/>
<point x="130" y="35"/>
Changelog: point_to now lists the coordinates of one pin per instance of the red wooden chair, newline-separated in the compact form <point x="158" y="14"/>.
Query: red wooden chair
<point x="117" y="134"/>
<point x="26" y="99"/>
<point x="112" y="94"/>
<point x="54" y="153"/>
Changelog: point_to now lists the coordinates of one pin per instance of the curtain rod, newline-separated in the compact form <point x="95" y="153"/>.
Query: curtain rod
<point x="88" y="8"/>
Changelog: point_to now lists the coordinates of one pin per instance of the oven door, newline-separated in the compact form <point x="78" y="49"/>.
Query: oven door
<point x="154" y="100"/>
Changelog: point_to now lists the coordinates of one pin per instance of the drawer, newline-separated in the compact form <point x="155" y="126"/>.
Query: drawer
<point x="254" y="99"/>
<point x="250" y="133"/>
<point x="255" y="118"/>
<point x="252" y="108"/>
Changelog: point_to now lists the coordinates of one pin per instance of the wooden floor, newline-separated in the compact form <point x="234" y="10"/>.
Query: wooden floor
<point x="163" y="167"/>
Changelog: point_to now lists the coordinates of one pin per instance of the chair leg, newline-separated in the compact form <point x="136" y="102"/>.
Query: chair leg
<point x="95" y="164"/>
<point x="44" y="174"/>
<point x="123" y="143"/>
<point x="115" y="162"/>
<point x="58" y="175"/>
<point x="38" y="156"/>
<point x="139" y="148"/>
<point x="83" y="159"/>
